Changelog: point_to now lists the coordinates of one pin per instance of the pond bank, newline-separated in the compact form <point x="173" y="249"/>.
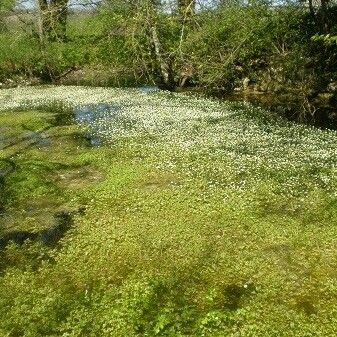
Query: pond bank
<point x="320" y="111"/>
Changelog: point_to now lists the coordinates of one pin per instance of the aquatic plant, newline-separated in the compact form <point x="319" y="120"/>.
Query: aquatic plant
<point x="206" y="219"/>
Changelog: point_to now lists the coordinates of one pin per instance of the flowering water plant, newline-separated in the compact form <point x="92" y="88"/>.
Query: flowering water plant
<point x="201" y="218"/>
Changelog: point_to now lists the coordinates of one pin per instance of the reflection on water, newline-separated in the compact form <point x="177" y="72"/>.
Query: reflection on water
<point x="148" y="89"/>
<point x="88" y="115"/>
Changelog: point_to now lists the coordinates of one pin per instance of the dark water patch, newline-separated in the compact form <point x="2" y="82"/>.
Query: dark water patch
<point x="7" y="142"/>
<point x="63" y="221"/>
<point x="92" y="116"/>
<point x="40" y="139"/>
<point x="29" y="138"/>
<point x="148" y="89"/>
<point x="87" y="140"/>
<point x="93" y="141"/>
<point x="88" y="114"/>
<point x="62" y="119"/>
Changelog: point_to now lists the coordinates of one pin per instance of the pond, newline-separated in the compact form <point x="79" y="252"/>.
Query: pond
<point x="156" y="213"/>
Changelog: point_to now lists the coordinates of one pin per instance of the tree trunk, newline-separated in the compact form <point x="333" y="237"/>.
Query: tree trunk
<point x="53" y="16"/>
<point x="44" y="20"/>
<point x="59" y="14"/>
<point x="186" y="9"/>
<point x="163" y="63"/>
<point x="325" y="26"/>
<point x="312" y="10"/>
<point x="164" y="68"/>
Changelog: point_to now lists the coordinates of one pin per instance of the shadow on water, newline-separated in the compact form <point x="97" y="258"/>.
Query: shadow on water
<point x="291" y="107"/>
<point x="297" y="108"/>
<point x="63" y="221"/>
<point x="88" y="116"/>
<point x="48" y="237"/>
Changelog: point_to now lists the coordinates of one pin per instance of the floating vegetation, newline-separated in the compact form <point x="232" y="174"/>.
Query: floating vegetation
<point x="199" y="218"/>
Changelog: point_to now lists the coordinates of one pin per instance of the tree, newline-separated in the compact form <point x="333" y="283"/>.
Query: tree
<point x="319" y="11"/>
<point x="163" y="34"/>
<point x="186" y="8"/>
<point x="5" y="7"/>
<point x="53" y="19"/>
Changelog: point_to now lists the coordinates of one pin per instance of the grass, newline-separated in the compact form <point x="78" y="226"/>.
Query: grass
<point x="201" y="219"/>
